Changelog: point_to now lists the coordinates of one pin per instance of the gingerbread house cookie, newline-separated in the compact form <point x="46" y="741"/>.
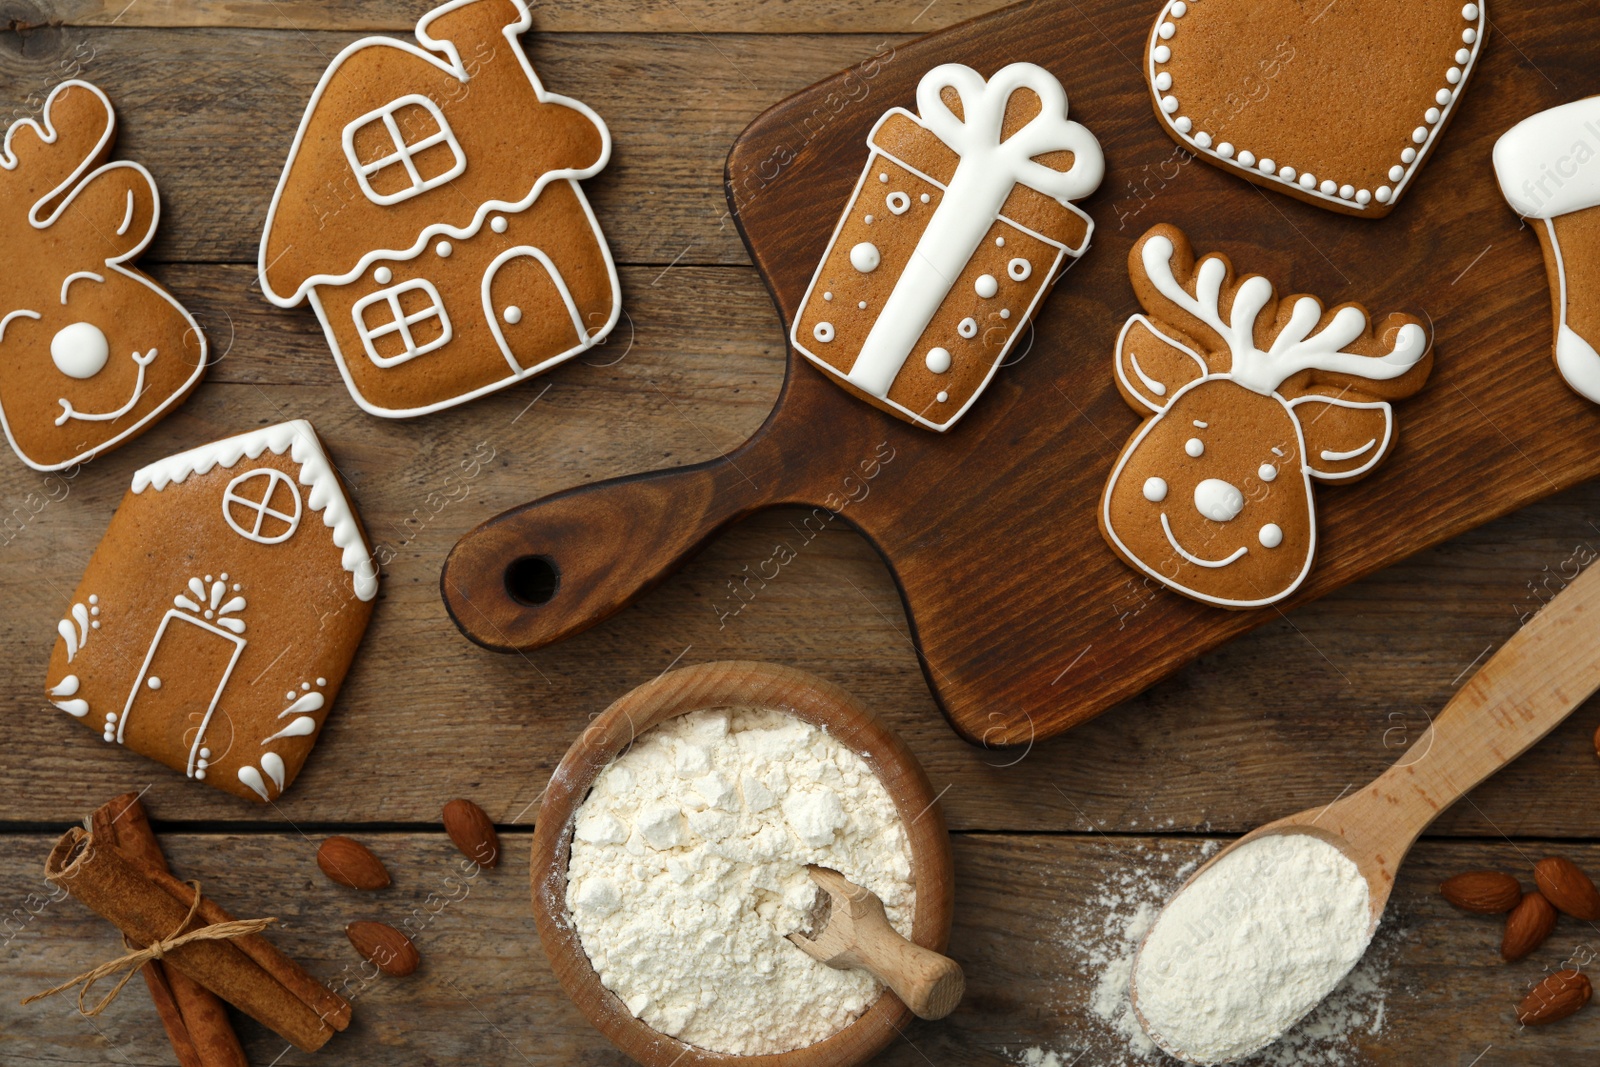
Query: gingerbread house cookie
<point x="1247" y="400"/>
<point x="956" y="231"/>
<point x="430" y="213"/>
<point x="1337" y="104"/>
<point x="220" y="612"/>
<point x="92" y="351"/>
<point x="1548" y="173"/>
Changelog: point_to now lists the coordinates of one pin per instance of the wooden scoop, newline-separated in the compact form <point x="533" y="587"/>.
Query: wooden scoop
<point x="1530" y="685"/>
<point x="856" y="933"/>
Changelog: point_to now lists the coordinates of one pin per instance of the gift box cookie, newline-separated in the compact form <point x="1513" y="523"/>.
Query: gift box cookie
<point x="1247" y="400"/>
<point x="430" y="213"/>
<point x="1549" y="171"/>
<point x="1337" y="104"/>
<point x="956" y="231"/>
<point x="217" y="618"/>
<point x="92" y="351"/>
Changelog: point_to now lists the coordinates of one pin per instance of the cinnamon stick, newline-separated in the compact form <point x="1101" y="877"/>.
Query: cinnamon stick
<point x="194" y="1017"/>
<point x="148" y="905"/>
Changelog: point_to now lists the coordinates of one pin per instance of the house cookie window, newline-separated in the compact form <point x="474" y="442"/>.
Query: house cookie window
<point x="402" y="322"/>
<point x="262" y="505"/>
<point x="401" y="149"/>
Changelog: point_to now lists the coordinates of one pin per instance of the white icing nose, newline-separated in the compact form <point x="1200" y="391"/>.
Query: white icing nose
<point x="80" y="350"/>
<point x="1218" y="500"/>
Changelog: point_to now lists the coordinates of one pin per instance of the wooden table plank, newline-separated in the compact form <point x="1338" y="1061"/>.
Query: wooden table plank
<point x="485" y="993"/>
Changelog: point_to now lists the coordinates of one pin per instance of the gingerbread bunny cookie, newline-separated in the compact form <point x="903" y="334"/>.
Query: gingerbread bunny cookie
<point x="92" y="351"/>
<point x="1248" y="399"/>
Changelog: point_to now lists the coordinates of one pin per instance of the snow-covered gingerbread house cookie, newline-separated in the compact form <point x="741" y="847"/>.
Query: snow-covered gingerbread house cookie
<point x="216" y="621"/>
<point x="430" y="212"/>
<point x="957" y="229"/>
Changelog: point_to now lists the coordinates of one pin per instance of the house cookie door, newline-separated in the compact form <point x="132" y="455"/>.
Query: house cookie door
<point x="173" y="705"/>
<point x="530" y="309"/>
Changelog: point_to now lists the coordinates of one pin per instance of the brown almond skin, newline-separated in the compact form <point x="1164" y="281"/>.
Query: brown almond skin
<point x="1557" y="997"/>
<point x="1567" y="887"/>
<point x="350" y="863"/>
<point x="1529" y="923"/>
<point x="470" y="828"/>
<point x="1482" y="892"/>
<point x="385" y="947"/>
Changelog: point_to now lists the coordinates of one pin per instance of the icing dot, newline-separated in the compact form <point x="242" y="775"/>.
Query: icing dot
<point x="861" y="305"/>
<point x="986" y="286"/>
<point x="111" y="716"/>
<point x="823" y="331"/>
<point x="1019" y="269"/>
<point x="942" y="396"/>
<point x="999" y="242"/>
<point x="443" y="249"/>
<point x="1444" y="96"/>
<point x="1161" y="54"/>
<point x="208" y="577"/>
<point x="305" y="686"/>
<point x="1182" y="124"/>
<point x="1286" y="173"/>
<point x="94" y="599"/>
<point x="924" y="198"/>
<point x="80" y="350"/>
<point x="1005" y="313"/>
<point x="109" y="735"/>
<point x="1396" y="172"/>
<point x="1218" y="500"/>
<point x="1163" y="81"/>
<point x="235" y="587"/>
<point x="1469" y="35"/>
<point x="322" y="681"/>
<point x="1225" y="150"/>
<point x="289" y="695"/>
<point x="1169" y="104"/>
<point x="1419" y="134"/>
<point x="1267" y="166"/>
<point x="383" y="275"/>
<point x="205" y="753"/>
<point x="1408" y="155"/>
<point x="967" y="327"/>
<point x="1462" y="55"/>
<point x="1247" y="158"/>
<point x="1166" y="30"/>
<point x="1432" y="115"/>
<point x="1363" y="196"/>
<point x="94" y="611"/>
<point x="1470" y="12"/>
<point x="1155" y="490"/>
<point x="200" y="774"/>
<point x="827" y="296"/>
<point x="868" y="220"/>
<point x="1308" y="181"/>
<point x="209" y="613"/>
<point x="512" y="314"/>
<point x="95" y="625"/>
<point x="1271" y="535"/>
<point x="202" y="764"/>
<point x="1453" y="75"/>
<point x="864" y="257"/>
<point x="1383" y="194"/>
<point x="938" y="360"/>
<point x="1329" y="187"/>
<point x="883" y="177"/>
<point x="1203" y="139"/>
<point x="223" y="576"/>
<point x="1180" y="9"/>
<point x="153" y="682"/>
<point x="899" y="203"/>
<point x="1195" y="447"/>
<point x="1346" y="192"/>
<point x="1267" y="472"/>
<point x="498" y="224"/>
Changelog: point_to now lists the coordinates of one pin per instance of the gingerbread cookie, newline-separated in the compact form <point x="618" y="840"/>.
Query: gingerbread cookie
<point x="952" y="238"/>
<point x="217" y="618"/>
<point x="1337" y="104"/>
<point x="1247" y="399"/>
<point x="92" y="351"/>
<point x="430" y="212"/>
<point x="1549" y="173"/>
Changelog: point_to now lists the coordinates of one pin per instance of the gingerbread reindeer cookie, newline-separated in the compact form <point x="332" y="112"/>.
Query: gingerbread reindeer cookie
<point x="1247" y="399"/>
<point x="952" y="239"/>
<point x="92" y="351"/>
<point x="1338" y="103"/>
<point x="430" y="212"/>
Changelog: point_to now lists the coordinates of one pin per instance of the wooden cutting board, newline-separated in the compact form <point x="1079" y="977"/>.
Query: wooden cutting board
<point x="1025" y="622"/>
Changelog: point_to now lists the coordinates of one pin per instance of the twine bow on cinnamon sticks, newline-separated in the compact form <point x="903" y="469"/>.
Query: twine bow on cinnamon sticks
<point x="133" y="961"/>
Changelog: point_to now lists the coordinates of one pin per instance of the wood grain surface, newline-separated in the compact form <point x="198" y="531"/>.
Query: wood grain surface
<point x="1321" y="698"/>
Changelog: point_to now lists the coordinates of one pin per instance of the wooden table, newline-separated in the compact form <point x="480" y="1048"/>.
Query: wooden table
<point x="209" y="92"/>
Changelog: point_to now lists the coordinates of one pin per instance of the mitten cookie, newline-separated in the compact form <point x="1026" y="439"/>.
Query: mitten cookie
<point x="955" y="233"/>
<point x="1548" y="173"/>
<point x="1247" y="399"/>
<point x="217" y="618"/>
<point x="92" y="351"/>
<point x="1334" y="103"/>
<point x="429" y="211"/>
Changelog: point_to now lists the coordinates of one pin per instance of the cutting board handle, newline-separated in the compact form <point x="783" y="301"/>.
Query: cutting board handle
<point x="546" y="570"/>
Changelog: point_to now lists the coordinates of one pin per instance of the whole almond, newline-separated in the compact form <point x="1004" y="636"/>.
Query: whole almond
<point x="350" y="863"/>
<point x="1529" y="923"/>
<point x="1568" y="888"/>
<point x="469" y="827"/>
<point x="1557" y="997"/>
<point x="384" y="946"/>
<point x="1482" y="892"/>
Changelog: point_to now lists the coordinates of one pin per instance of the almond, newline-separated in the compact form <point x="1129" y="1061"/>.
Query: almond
<point x="384" y="946"/>
<point x="1482" y="892"/>
<point x="1568" y="888"/>
<point x="469" y="827"/>
<point x="350" y="863"/>
<point x="1529" y="923"/>
<point x="1557" y="997"/>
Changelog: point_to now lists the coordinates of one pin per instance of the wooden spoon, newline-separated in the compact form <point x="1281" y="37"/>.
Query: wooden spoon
<point x="1536" y="679"/>
<point x="856" y="933"/>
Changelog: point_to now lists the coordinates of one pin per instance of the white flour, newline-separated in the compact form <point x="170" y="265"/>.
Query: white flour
<point x="688" y="867"/>
<point x="1251" y="946"/>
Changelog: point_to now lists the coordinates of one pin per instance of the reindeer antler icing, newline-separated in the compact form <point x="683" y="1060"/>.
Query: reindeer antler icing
<point x="1296" y="348"/>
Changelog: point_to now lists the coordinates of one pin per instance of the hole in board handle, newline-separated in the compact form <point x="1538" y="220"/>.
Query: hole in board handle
<point x="532" y="580"/>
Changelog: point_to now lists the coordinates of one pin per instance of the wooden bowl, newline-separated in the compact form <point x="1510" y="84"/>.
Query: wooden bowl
<point x="722" y="685"/>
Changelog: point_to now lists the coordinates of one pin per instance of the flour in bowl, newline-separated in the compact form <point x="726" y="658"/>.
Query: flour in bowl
<point x="688" y="868"/>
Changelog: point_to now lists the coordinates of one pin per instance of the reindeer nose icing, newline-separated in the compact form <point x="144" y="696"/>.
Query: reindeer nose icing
<point x="80" y="350"/>
<point x="1218" y="500"/>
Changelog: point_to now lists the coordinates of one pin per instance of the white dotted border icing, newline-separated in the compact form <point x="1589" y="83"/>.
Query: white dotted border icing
<point x="1421" y="139"/>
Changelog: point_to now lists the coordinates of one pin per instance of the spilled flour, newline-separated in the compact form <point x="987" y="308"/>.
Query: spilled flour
<point x="1101" y="935"/>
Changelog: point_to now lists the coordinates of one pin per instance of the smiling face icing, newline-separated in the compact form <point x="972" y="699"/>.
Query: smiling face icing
<point x="1213" y="507"/>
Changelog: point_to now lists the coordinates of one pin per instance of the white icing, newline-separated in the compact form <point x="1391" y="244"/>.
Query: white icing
<point x="383" y="275"/>
<point x="1267" y="472"/>
<point x="317" y="472"/>
<point x="1577" y="361"/>
<point x="986" y="286"/>
<point x="938" y="360"/>
<point x="1155" y="490"/>
<point x="864" y="257"/>
<point x="512" y="314"/>
<point x="304" y="703"/>
<point x="498" y="224"/>
<point x="79" y="350"/>
<point x="303" y="726"/>
<point x="1195" y="447"/>
<point x="69" y="412"/>
<point x="899" y="203"/>
<point x="823" y="331"/>
<point x="1019" y="270"/>
<point x="66" y="687"/>
<point x="272" y="763"/>
<point x="1218" y="500"/>
<point x="942" y="396"/>
<point x="443" y="249"/>
<point x="967" y="327"/>
<point x="153" y="682"/>
<point x="1210" y="564"/>
<point x="252" y="494"/>
<point x="1271" y="535"/>
<point x="252" y="778"/>
<point x="1547" y="163"/>
<point x="1339" y="457"/>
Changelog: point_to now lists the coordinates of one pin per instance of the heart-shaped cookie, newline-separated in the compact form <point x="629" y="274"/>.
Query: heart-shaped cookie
<point x="1334" y="102"/>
